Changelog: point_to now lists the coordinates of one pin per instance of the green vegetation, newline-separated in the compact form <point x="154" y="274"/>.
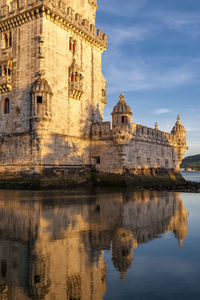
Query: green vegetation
<point x="191" y="162"/>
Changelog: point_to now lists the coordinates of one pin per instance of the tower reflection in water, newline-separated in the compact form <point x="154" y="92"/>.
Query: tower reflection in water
<point x="52" y="245"/>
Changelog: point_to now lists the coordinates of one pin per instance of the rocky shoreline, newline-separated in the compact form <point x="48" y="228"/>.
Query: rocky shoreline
<point x="187" y="187"/>
<point x="89" y="179"/>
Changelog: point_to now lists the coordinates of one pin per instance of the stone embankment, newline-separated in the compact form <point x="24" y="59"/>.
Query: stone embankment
<point x="165" y="182"/>
<point x="85" y="177"/>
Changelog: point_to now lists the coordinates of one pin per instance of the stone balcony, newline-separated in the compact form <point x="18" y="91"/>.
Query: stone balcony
<point x="5" y="84"/>
<point x="76" y="90"/>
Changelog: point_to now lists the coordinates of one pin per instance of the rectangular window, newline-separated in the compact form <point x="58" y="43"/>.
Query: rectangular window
<point x="39" y="99"/>
<point x="124" y="119"/>
<point x="3" y="268"/>
<point x="97" y="160"/>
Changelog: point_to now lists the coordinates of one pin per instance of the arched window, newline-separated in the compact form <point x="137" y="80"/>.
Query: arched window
<point x="10" y="39"/>
<point x="39" y="99"/>
<point x="6" y="40"/>
<point x="7" y="106"/>
<point x="124" y="119"/>
<point x="103" y="92"/>
<point x="5" y="70"/>
<point x="70" y="44"/>
<point x="74" y="47"/>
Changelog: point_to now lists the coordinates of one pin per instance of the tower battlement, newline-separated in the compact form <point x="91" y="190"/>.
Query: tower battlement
<point x="68" y="17"/>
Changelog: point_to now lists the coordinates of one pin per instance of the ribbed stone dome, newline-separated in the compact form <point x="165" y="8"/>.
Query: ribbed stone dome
<point x="122" y="107"/>
<point x="41" y="86"/>
<point x="178" y="126"/>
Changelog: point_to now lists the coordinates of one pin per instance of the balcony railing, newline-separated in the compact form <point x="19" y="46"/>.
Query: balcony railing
<point x="76" y="90"/>
<point x="5" y="84"/>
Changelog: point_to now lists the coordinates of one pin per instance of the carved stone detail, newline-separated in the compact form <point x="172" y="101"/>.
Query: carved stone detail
<point x="75" y="81"/>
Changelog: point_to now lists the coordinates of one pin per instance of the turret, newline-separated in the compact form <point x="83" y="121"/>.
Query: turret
<point x="122" y="114"/>
<point x="121" y="121"/>
<point x="180" y="140"/>
<point x="41" y="95"/>
<point x="179" y="131"/>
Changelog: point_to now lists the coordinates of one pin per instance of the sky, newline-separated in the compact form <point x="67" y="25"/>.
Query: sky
<point x="153" y="57"/>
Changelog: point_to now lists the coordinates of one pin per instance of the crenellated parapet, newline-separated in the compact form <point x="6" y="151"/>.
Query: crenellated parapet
<point x="140" y="146"/>
<point x="137" y="132"/>
<point x="101" y="131"/>
<point x="15" y="15"/>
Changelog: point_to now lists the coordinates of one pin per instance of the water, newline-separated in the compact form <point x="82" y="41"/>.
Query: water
<point x="80" y="245"/>
<point x="192" y="176"/>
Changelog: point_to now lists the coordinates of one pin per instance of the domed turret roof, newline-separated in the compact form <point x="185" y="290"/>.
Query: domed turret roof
<point x="178" y="126"/>
<point x="122" y="107"/>
<point x="41" y="86"/>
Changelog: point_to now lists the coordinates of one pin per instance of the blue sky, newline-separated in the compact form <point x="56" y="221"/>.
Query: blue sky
<point x="153" y="57"/>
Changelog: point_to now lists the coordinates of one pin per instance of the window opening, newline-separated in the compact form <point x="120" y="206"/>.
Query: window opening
<point x="70" y="44"/>
<point x="39" y="99"/>
<point x="7" y="106"/>
<point x="37" y="279"/>
<point x="124" y="119"/>
<point x="3" y="268"/>
<point x="74" y="47"/>
<point x="97" y="159"/>
<point x="6" y="40"/>
<point x="5" y="70"/>
<point x="10" y="39"/>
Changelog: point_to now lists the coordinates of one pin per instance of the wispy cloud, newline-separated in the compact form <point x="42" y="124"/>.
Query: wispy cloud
<point x="130" y="34"/>
<point x="121" y="7"/>
<point x="137" y="76"/>
<point x="153" y="55"/>
<point x="161" y="111"/>
<point x="185" y="22"/>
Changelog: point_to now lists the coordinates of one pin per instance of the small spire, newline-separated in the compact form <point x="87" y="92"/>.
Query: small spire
<point x="178" y="120"/>
<point x="156" y="126"/>
<point x="121" y="97"/>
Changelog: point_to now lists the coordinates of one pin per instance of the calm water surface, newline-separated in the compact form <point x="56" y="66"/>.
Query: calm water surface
<point x="192" y="176"/>
<point x="79" y="245"/>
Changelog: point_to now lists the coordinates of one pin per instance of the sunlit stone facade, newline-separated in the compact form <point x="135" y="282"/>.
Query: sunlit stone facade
<point x="53" y="94"/>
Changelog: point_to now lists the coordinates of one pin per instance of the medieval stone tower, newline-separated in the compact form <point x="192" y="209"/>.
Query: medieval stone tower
<point x="51" y="83"/>
<point x="53" y="94"/>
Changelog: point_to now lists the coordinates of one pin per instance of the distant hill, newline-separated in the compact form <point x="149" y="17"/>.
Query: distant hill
<point x="192" y="162"/>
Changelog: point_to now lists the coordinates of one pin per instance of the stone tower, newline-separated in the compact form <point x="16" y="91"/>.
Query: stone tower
<point x="53" y="94"/>
<point x="180" y="135"/>
<point x="51" y="82"/>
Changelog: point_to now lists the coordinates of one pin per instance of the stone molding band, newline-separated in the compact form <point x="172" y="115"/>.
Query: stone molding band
<point x="71" y="22"/>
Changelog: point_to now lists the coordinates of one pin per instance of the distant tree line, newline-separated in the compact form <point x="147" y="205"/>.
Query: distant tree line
<point x="191" y="162"/>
